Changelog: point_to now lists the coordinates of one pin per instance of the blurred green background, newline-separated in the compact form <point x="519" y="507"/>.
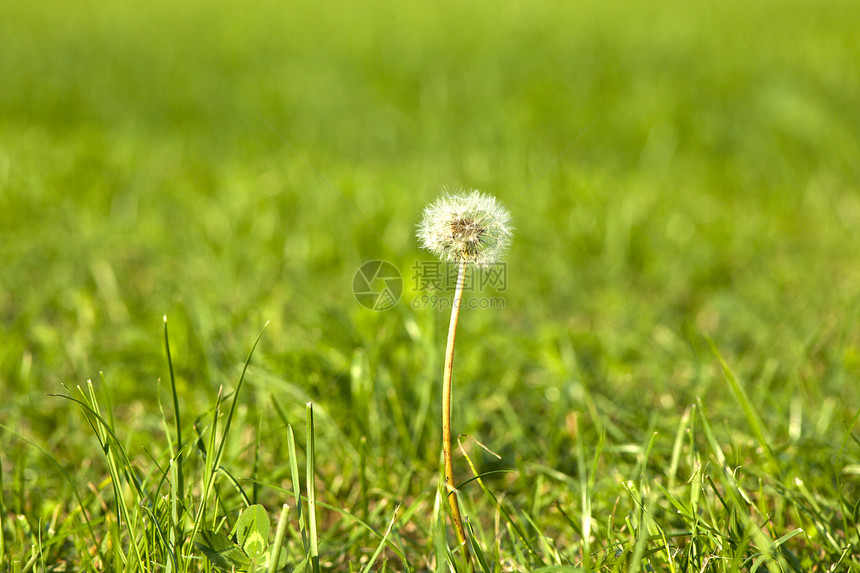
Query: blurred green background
<point x="674" y="170"/>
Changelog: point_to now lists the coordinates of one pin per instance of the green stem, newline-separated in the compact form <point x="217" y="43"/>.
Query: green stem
<point x="176" y="421"/>
<point x="450" y="488"/>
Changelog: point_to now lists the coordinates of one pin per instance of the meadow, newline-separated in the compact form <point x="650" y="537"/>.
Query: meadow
<point x="671" y="381"/>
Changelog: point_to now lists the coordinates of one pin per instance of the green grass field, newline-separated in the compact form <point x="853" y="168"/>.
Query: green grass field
<point x="672" y="382"/>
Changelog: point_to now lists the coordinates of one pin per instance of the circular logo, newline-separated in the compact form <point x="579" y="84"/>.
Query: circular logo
<point x="377" y="285"/>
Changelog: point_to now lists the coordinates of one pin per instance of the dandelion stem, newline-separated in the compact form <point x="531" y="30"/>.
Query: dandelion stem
<point x="451" y="489"/>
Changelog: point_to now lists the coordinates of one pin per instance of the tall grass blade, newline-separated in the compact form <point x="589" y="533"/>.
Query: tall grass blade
<point x="175" y="534"/>
<point x="383" y="541"/>
<point x="212" y="462"/>
<point x="177" y="422"/>
<point x="586" y="483"/>
<point x="311" y="490"/>
<point x="279" y="538"/>
<point x="444" y="559"/>
<point x="476" y="548"/>
<point x="500" y="508"/>
<point x="753" y="419"/>
<point x="297" y="488"/>
<point x="676" y="447"/>
<point x="110" y="443"/>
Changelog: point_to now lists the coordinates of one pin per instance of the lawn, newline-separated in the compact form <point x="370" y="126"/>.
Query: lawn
<point x="667" y="378"/>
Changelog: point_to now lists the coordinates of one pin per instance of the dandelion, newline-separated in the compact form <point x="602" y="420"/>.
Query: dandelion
<point x="466" y="228"/>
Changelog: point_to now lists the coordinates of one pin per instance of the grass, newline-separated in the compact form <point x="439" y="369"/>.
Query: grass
<point x="672" y="384"/>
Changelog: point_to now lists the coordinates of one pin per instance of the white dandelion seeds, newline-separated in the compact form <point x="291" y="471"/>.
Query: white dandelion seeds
<point x="469" y="227"/>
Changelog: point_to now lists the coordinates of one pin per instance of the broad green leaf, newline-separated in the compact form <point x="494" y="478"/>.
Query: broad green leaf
<point x="252" y="531"/>
<point x="222" y="552"/>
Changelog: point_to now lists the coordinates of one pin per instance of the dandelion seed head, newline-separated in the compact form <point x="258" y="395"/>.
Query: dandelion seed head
<point x="466" y="226"/>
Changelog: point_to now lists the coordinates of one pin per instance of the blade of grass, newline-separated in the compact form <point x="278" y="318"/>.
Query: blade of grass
<point x="103" y="428"/>
<point x="379" y="548"/>
<point x="586" y="483"/>
<point x="640" y="529"/>
<point x="175" y="533"/>
<point x="735" y="499"/>
<point x="279" y="538"/>
<point x="362" y="477"/>
<point x="753" y="419"/>
<point x="311" y="490"/>
<point x="97" y="547"/>
<point x="499" y="507"/>
<point x="177" y="423"/>
<point x="237" y="486"/>
<point x="476" y="547"/>
<point x="104" y="433"/>
<point x="444" y="558"/>
<point x="297" y="487"/>
<point x="676" y="447"/>
<point x="211" y="467"/>
<point x="255" y="472"/>
<point x="353" y="518"/>
<point x="761" y="559"/>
